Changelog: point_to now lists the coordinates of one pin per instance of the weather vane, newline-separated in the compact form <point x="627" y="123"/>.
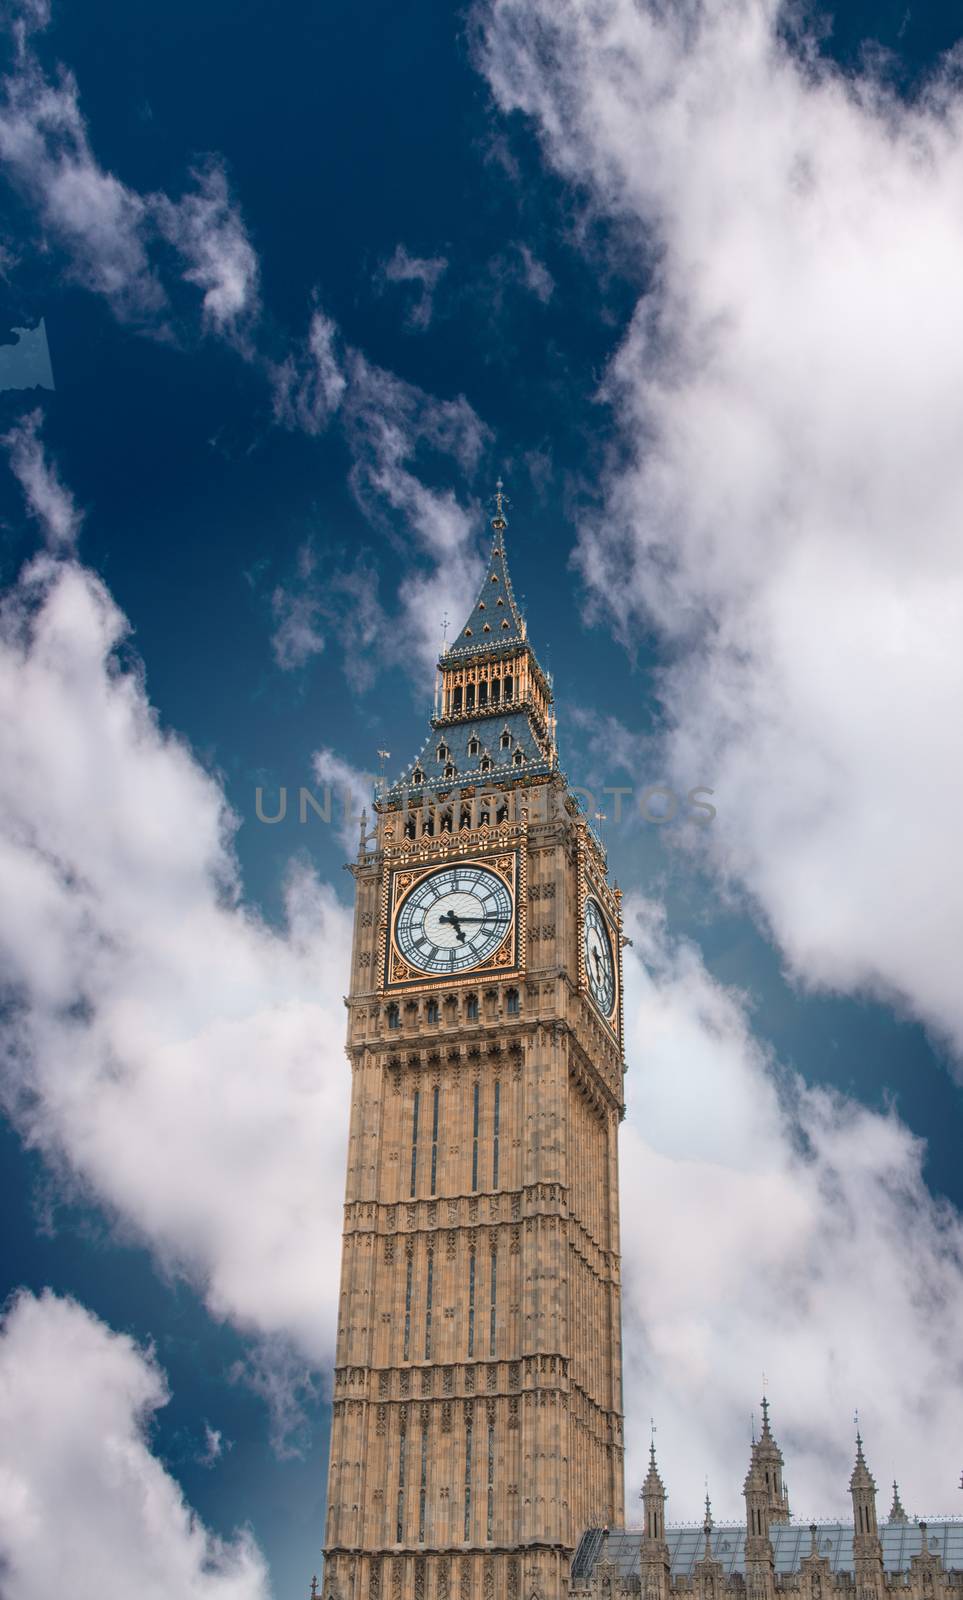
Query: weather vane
<point x="501" y="501"/>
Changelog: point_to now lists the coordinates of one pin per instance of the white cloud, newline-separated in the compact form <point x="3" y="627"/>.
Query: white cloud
<point x="298" y="611"/>
<point x="784" y="503"/>
<point x="207" y="230"/>
<point x="109" y="232"/>
<point x="166" y="1050"/>
<point x="387" y="422"/>
<point x="309" y="386"/>
<point x="764" y="1226"/>
<point x="80" y="1492"/>
<point x="536" y="276"/>
<point x="423" y="270"/>
<point x="48" y="501"/>
<point x="351" y="794"/>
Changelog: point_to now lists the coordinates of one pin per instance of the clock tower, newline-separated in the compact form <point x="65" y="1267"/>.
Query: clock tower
<point x="477" y="1418"/>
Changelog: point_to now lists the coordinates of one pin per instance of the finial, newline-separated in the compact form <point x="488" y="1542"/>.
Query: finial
<point x="444" y="633"/>
<point x="314" y="1587"/>
<point x="652" y="1432"/>
<point x="501" y="500"/>
<point x="383" y="756"/>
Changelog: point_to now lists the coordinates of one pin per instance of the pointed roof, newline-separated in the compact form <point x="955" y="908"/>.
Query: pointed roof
<point x="896" y="1512"/>
<point x="653" y="1484"/>
<point x="495" y="618"/>
<point x="861" y="1478"/>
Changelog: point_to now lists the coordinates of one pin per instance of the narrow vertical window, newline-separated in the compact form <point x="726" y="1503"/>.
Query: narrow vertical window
<point x="498" y="1096"/>
<point x="407" y="1346"/>
<point x="491" y="1323"/>
<point x="512" y="1002"/>
<point x="414" y="1141"/>
<point x="491" y="1479"/>
<point x="471" y="1008"/>
<point x="423" y="1490"/>
<point x="468" y="1444"/>
<point x="474" y="1136"/>
<point x="400" y="1518"/>
<point x="431" y="1274"/>
<point x="434" y="1137"/>
<point x="471" y="1303"/>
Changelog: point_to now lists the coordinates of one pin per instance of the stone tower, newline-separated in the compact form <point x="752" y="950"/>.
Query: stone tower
<point x="477" y="1420"/>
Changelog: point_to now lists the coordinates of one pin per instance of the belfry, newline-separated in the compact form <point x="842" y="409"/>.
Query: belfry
<point x="477" y="1416"/>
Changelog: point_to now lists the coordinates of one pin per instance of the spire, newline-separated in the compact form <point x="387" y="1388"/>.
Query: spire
<point x="862" y="1487"/>
<point x="896" y="1512"/>
<point x="707" y="1526"/>
<point x="495" y="619"/>
<point x="653" y="1499"/>
<point x="766" y="1458"/>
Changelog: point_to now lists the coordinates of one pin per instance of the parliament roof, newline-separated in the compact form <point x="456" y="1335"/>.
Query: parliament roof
<point x="790" y="1543"/>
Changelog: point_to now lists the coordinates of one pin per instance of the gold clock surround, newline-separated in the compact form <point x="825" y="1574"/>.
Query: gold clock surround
<point x="399" y="974"/>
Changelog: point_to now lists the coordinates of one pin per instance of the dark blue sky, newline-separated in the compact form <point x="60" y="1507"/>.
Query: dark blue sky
<point x="346" y="131"/>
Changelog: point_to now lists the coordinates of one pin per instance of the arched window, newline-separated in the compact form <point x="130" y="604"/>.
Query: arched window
<point x="457" y="705"/>
<point x="471" y="1008"/>
<point x="483" y="686"/>
<point x="442" y="751"/>
<point x="518" y="758"/>
<point x="418" y="776"/>
<point x="506" y="740"/>
<point x="470" y="697"/>
<point x="473" y="746"/>
<point x="508" y="683"/>
<point x="394" y="1016"/>
<point x="511" y="1002"/>
<point x="496" y="691"/>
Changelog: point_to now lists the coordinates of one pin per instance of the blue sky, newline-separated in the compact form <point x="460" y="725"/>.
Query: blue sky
<point x="310" y="284"/>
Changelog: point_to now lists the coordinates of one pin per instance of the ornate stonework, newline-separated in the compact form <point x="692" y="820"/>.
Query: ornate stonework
<point x="477" y="1418"/>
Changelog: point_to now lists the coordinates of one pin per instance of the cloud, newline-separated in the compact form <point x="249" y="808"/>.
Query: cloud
<point x="172" y="1056"/>
<point x="208" y="232"/>
<point x="426" y="271"/>
<point x="110" y="234"/>
<point x="48" y="501"/>
<point x="783" y="502"/>
<point x="309" y="385"/>
<point x="297" y="614"/>
<point x="81" y="1492"/>
<point x="764" y="1224"/>
<point x="536" y="276"/>
<point x="325" y="598"/>
<point x="388" y="423"/>
<point x="352" y="792"/>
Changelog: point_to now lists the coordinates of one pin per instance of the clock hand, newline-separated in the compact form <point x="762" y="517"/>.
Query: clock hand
<point x="479" y="919"/>
<point x="454" y="922"/>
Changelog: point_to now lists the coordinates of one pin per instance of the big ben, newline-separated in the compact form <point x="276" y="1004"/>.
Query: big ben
<point x="477" y="1415"/>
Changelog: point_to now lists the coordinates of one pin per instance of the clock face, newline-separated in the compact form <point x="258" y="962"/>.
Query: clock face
<point x="599" y="966"/>
<point x="453" y="919"/>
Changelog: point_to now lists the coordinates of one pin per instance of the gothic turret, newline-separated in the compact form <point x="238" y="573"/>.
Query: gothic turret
<point x="758" y="1490"/>
<point x="896" y="1512"/>
<point x="862" y="1487"/>
<point x="867" y="1550"/>
<point x="767" y="1453"/>
<point x="655" y="1551"/>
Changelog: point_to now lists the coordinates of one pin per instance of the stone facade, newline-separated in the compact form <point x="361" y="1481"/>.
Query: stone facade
<point x="477" y="1425"/>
